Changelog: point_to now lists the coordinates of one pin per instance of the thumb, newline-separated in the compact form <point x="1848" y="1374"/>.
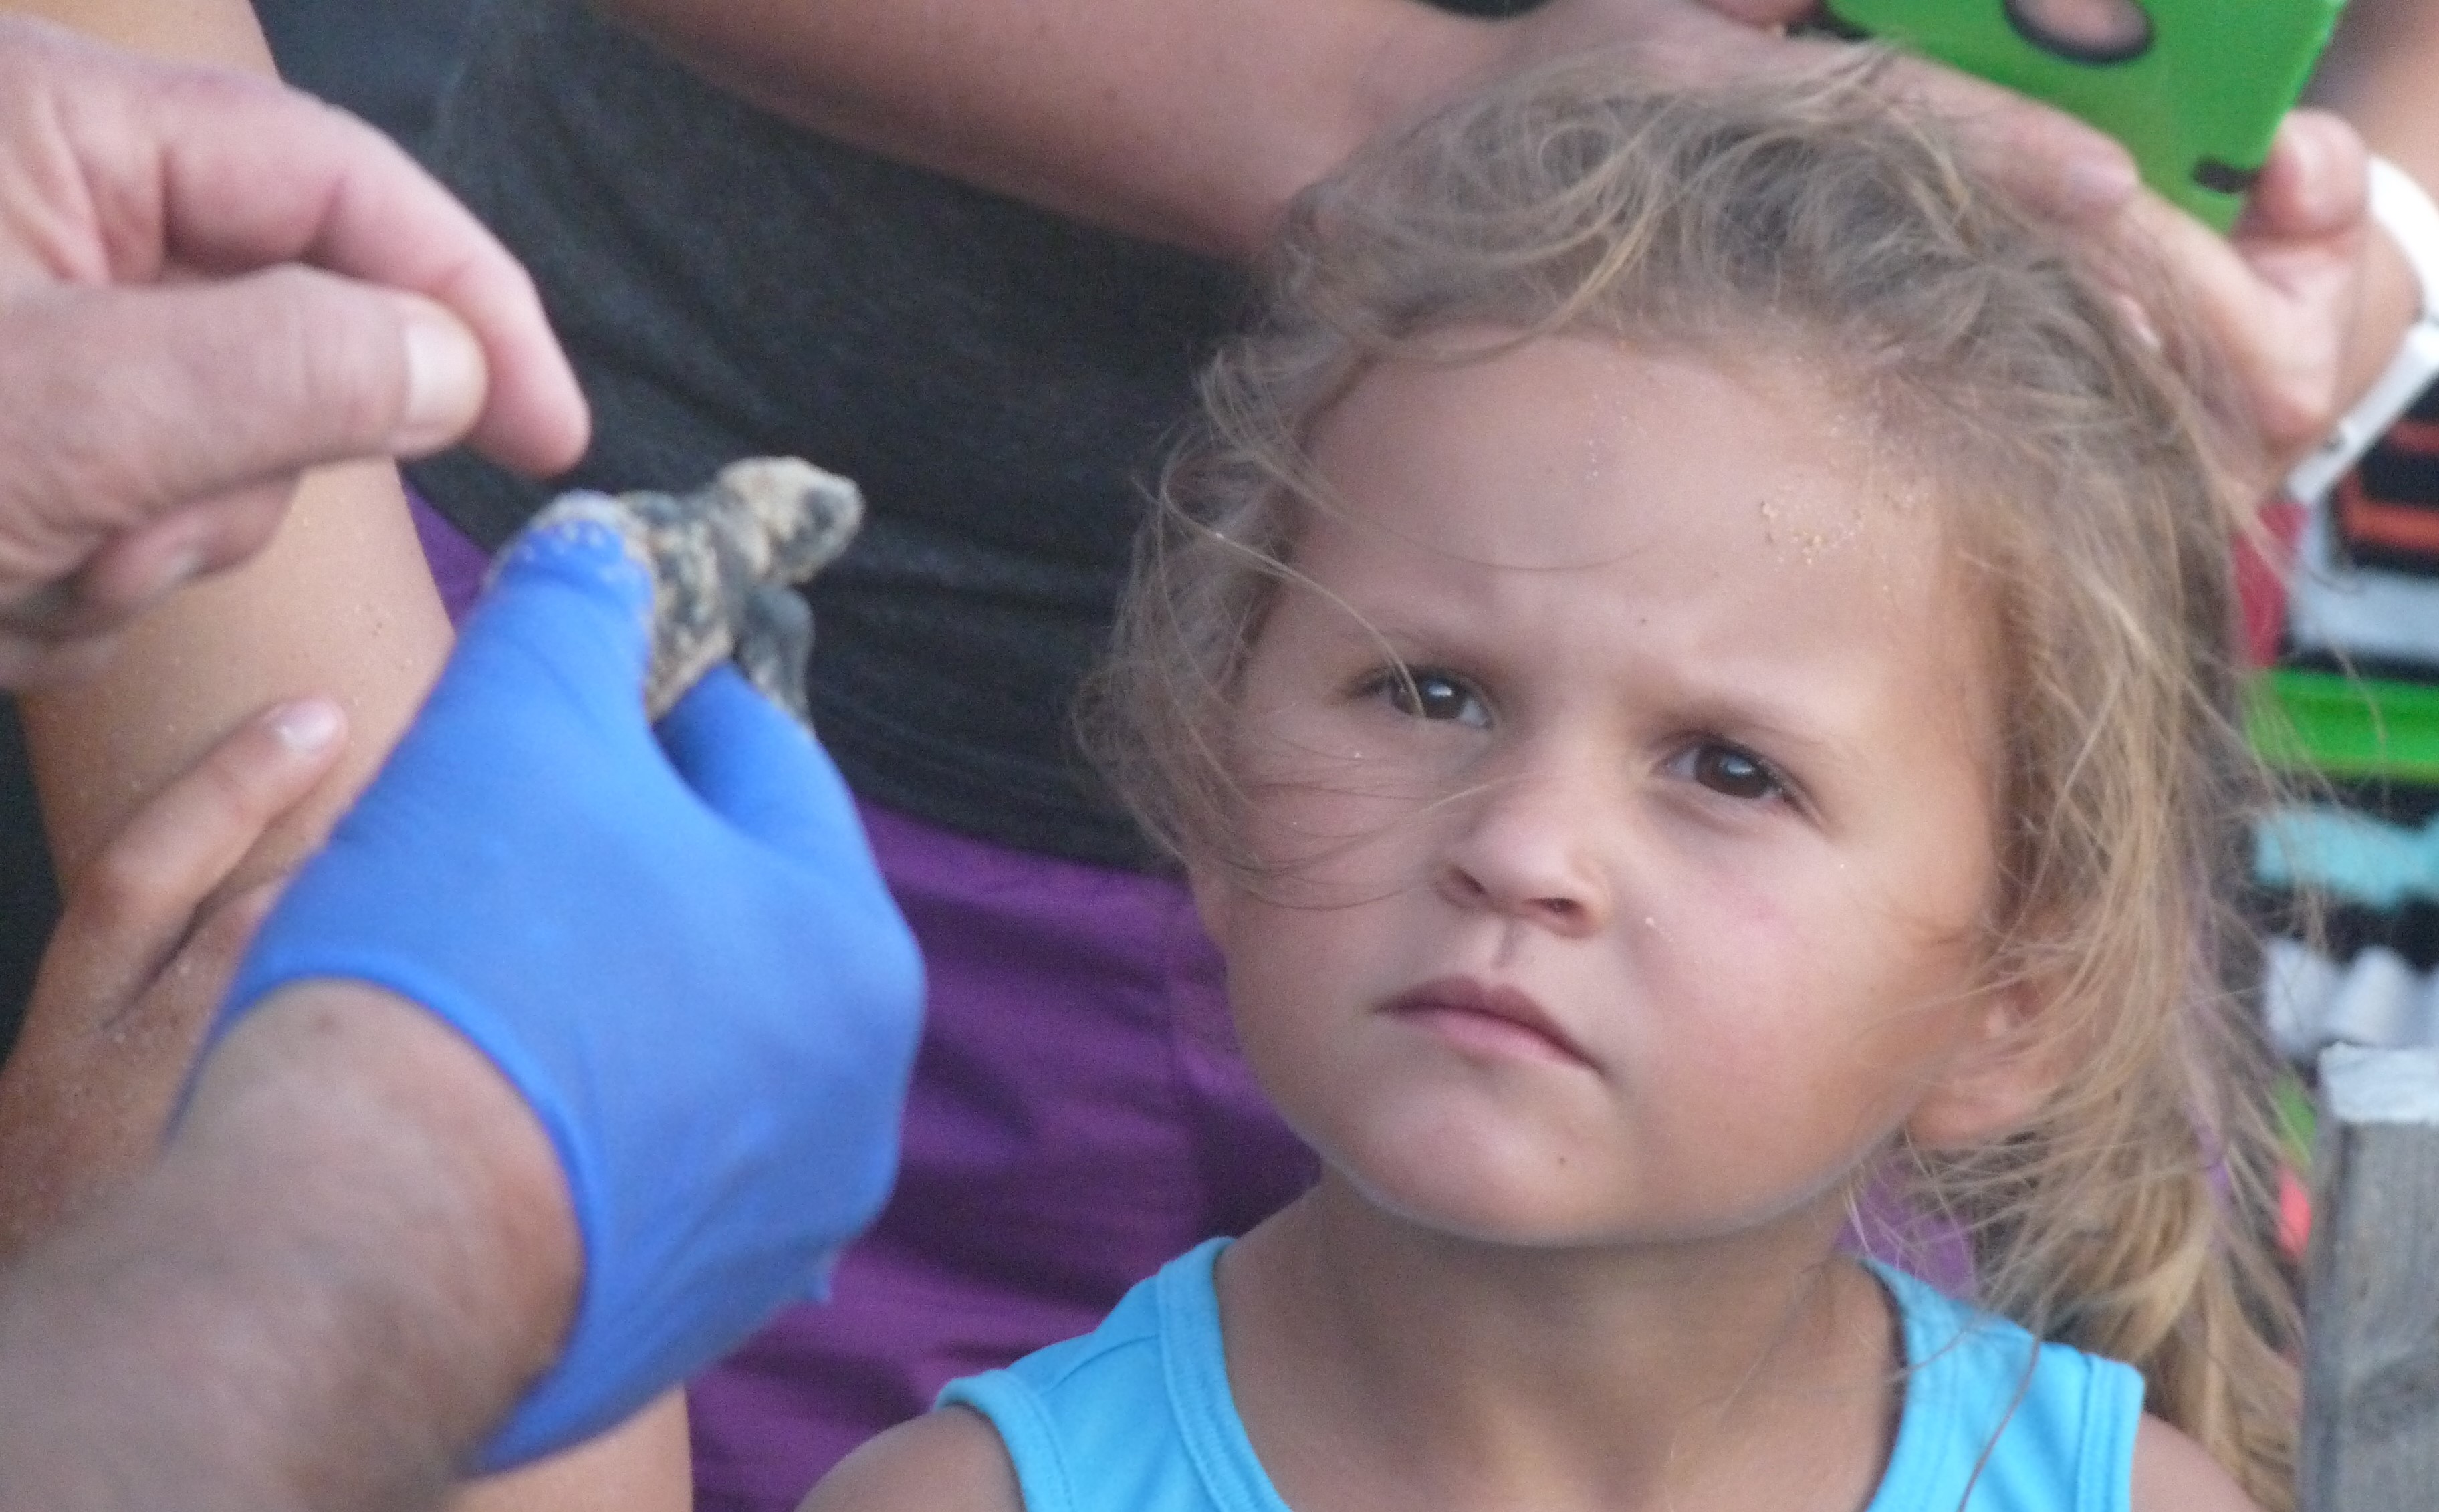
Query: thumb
<point x="136" y="400"/>
<point x="2313" y="182"/>
<point x="754" y="765"/>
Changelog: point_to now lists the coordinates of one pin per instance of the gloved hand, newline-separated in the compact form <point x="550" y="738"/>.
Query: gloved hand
<point x="679" y="952"/>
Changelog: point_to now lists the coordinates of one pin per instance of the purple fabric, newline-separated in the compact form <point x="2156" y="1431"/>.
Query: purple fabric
<point x="456" y="564"/>
<point x="1889" y="1228"/>
<point x="1080" y="1116"/>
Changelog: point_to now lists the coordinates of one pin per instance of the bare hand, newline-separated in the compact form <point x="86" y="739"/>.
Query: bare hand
<point x="2279" y="300"/>
<point x="2282" y="296"/>
<point x="2046" y="157"/>
<point x="208" y="284"/>
<point x="133" y="975"/>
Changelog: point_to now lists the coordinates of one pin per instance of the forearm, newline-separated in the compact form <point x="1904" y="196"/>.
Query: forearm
<point x="355" y="1253"/>
<point x="340" y="605"/>
<point x="1189" y="123"/>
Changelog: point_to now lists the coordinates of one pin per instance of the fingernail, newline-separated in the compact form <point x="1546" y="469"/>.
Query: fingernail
<point x="2096" y="183"/>
<point x="307" y="724"/>
<point x="2307" y="143"/>
<point x="445" y="379"/>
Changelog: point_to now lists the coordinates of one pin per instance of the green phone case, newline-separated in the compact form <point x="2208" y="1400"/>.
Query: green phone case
<point x="2195" y="96"/>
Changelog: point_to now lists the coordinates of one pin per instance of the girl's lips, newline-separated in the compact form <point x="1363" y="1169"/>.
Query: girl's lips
<point x="1492" y="1020"/>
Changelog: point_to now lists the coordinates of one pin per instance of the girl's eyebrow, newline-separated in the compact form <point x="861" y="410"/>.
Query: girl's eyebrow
<point x="1795" y="707"/>
<point x="1733" y="703"/>
<point x="1795" y="714"/>
<point x="1402" y="636"/>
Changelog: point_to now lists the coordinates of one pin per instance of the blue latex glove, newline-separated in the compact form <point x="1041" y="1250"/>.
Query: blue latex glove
<point x="681" y="952"/>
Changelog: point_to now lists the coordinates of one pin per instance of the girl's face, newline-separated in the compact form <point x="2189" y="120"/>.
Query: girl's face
<point x="1648" y="910"/>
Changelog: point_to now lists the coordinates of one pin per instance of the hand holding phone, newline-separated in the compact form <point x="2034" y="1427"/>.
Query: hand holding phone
<point x="2195" y="89"/>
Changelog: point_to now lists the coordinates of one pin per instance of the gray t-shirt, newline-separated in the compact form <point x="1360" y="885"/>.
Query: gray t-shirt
<point x="998" y="380"/>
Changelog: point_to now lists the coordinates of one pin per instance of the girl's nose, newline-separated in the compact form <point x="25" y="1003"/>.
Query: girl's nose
<point x="1526" y="850"/>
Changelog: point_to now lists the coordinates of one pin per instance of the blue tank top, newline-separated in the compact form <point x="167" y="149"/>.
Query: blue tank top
<point x="1136" y="1415"/>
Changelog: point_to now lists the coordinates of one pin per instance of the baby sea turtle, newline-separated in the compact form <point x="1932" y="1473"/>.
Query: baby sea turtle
<point x="725" y="561"/>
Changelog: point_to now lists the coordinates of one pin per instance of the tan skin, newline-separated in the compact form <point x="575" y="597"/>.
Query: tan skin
<point x="339" y="603"/>
<point x="128" y="959"/>
<point x="347" y="1171"/>
<point x="209" y="285"/>
<point x="122" y="1002"/>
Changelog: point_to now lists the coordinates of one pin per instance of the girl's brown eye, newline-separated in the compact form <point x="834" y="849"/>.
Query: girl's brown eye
<point x="1423" y="694"/>
<point x="1734" y="774"/>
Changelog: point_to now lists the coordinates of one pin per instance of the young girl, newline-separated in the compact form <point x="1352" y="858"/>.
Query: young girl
<point x="1689" y="672"/>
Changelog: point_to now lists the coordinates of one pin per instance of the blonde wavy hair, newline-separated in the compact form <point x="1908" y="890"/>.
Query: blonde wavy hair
<point x="2088" y="495"/>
